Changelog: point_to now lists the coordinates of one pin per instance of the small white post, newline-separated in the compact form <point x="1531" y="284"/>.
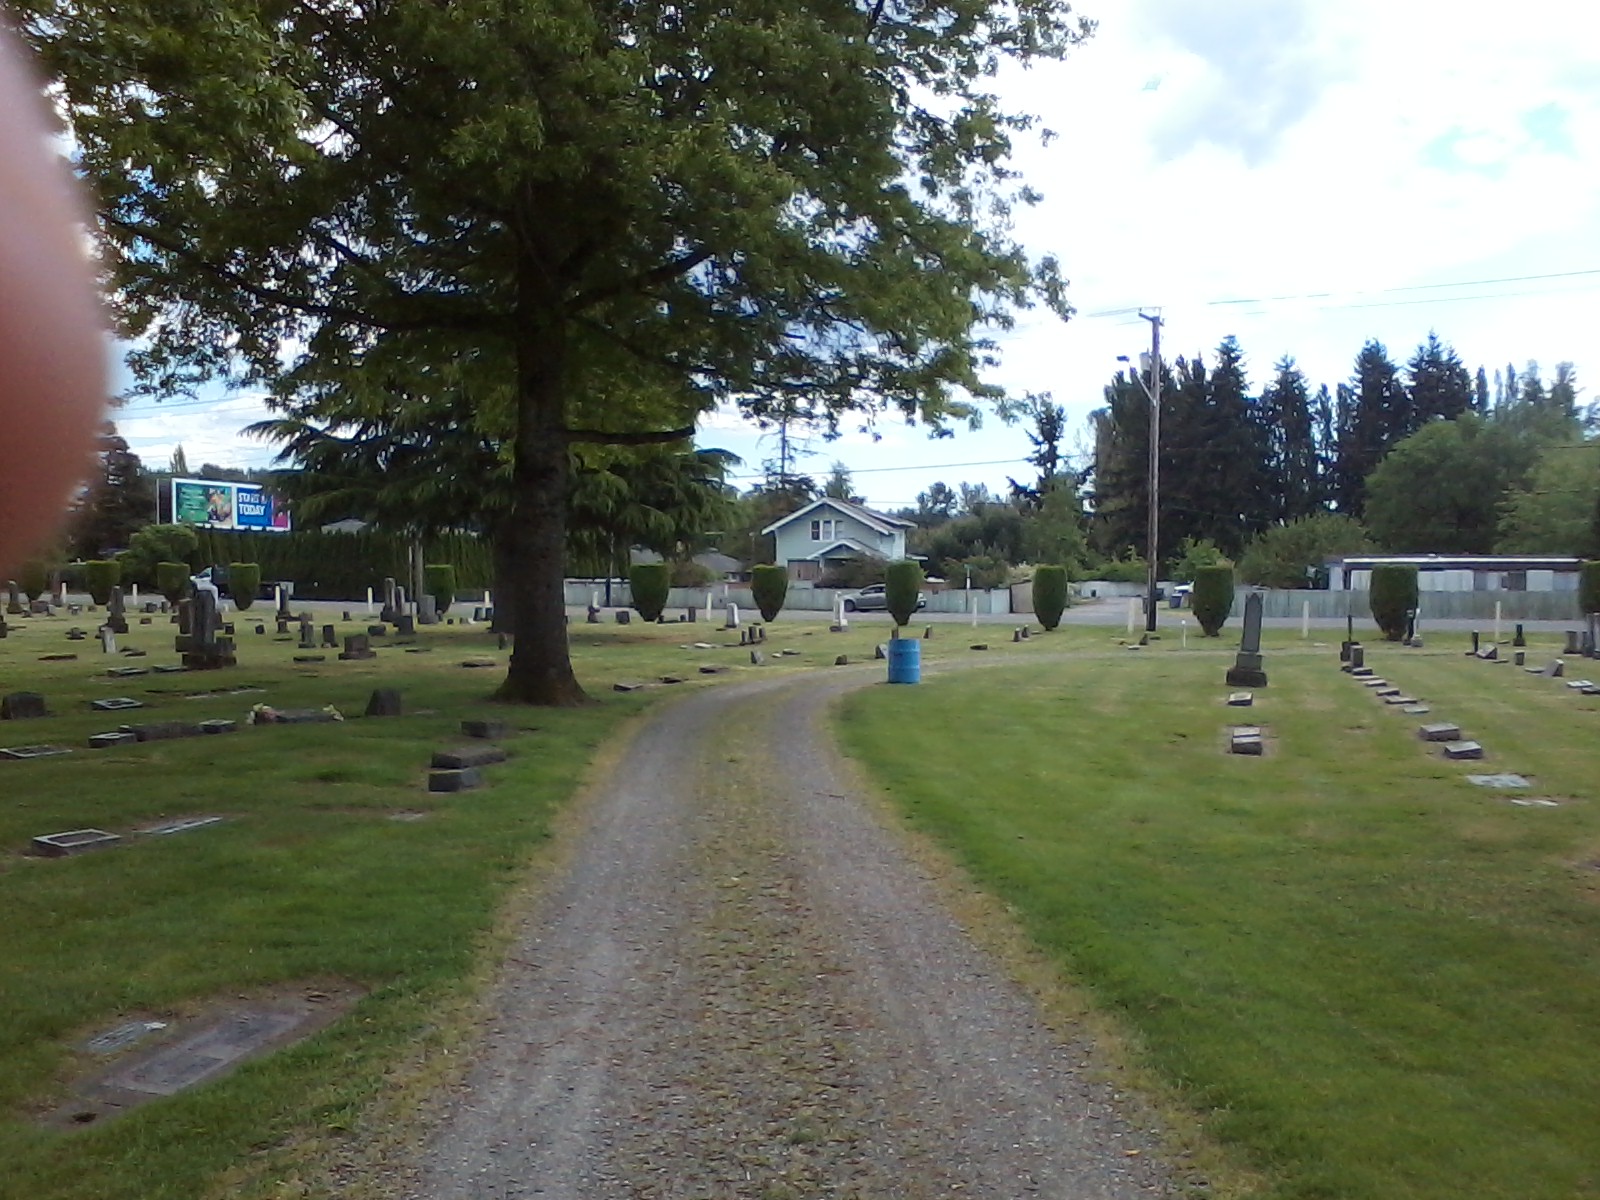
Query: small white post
<point x="594" y="598"/>
<point x="488" y="598"/>
<point x="1305" y="618"/>
<point x="840" y="621"/>
<point x="1133" y="613"/>
<point x="1496" y="641"/>
<point x="708" y="603"/>
<point x="369" y="602"/>
<point x="63" y="595"/>
<point x="277" y="597"/>
<point x="135" y="593"/>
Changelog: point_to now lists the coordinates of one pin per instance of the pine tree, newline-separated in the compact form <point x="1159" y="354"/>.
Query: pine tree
<point x="1367" y="418"/>
<point x="1291" y="467"/>
<point x="1439" y="386"/>
<point x="1327" y="446"/>
<point x="1482" y="394"/>
<point x="118" y="501"/>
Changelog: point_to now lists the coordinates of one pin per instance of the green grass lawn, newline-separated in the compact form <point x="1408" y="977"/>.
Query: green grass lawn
<point x="310" y="880"/>
<point x="1371" y="978"/>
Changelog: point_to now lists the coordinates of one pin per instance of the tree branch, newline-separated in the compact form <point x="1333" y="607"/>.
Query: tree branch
<point x="651" y="438"/>
<point x="668" y="270"/>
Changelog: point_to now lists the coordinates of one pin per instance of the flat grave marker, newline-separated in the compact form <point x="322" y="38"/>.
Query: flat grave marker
<point x="1439" y="731"/>
<point x="74" y="841"/>
<point x="184" y="825"/>
<point x="115" y="704"/>
<point x="1463" y="750"/>
<point x="120" y="1037"/>
<point x="27" y="752"/>
<point x="1506" y="780"/>
<point x="1241" y="699"/>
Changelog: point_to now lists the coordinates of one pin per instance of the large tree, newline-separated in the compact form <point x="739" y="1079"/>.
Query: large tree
<point x="1437" y="386"/>
<point x="1294" y="483"/>
<point x="118" y="500"/>
<point x="1371" y="408"/>
<point x="611" y="215"/>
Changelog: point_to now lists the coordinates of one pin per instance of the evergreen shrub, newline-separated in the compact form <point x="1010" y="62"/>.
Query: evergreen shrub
<point x="1589" y="587"/>
<point x="650" y="583"/>
<point x="34" y="579"/>
<point x="769" y="584"/>
<point x="100" y="576"/>
<point x="1049" y="594"/>
<point x="439" y="580"/>
<point x="171" y="580"/>
<point x="1393" y="594"/>
<point x="902" y="583"/>
<point x="1212" y="598"/>
<point x="244" y="582"/>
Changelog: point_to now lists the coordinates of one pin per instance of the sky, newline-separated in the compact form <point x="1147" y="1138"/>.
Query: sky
<point x="1303" y="176"/>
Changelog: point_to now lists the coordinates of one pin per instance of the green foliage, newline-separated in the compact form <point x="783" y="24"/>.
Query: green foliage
<point x="650" y="583"/>
<point x="172" y="580"/>
<point x="342" y="566"/>
<point x="1439" y="490"/>
<point x="986" y="571"/>
<point x="854" y="572"/>
<point x="1049" y="594"/>
<point x="1212" y="598"/>
<point x="903" y="582"/>
<point x="101" y="575"/>
<point x="686" y="573"/>
<point x="996" y="532"/>
<point x="1589" y="587"/>
<point x="769" y="584"/>
<point x="439" y="581"/>
<point x="157" y="544"/>
<point x="244" y="583"/>
<point x="1285" y="555"/>
<point x="1121" y="570"/>
<point x="1393" y="594"/>
<point x="1193" y="554"/>
<point x="120" y="497"/>
<point x="1552" y="513"/>
<point x="33" y="577"/>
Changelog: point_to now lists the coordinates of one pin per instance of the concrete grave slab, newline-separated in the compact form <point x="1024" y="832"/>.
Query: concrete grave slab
<point x="1241" y="699"/>
<point x="1386" y="691"/>
<point x="477" y="728"/>
<point x="119" y="1037"/>
<point x="1397" y="698"/>
<point x="1439" y="731"/>
<point x="1416" y="710"/>
<point x="162" y="731"/>
<point x="27" y="752"/>
<point x="462" y="780"/>
<point x="117" y="737"/>
<point x="1463" y="750"/>
<point x="1499" y="781"/>
<point x="115" y="704"/>
<point x="480" y="663"/>
<point x="74" y="841"/>
<point x="184" y="825"/>
<point x="458" y="758"/>
<point x="626" y="687"/>
<point x="219" y="725"/>
<point x="1534" y="802"/>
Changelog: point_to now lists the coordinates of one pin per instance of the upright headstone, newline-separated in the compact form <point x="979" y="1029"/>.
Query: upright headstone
<point x="593" y="615"/>
<point x="384" y="702"/>
<point x="1574" y="642"/>
<point x="207" y="649"/>
<point x="841" y="623"/>
<point x="108" y="640"/>
<point x="117" y="612"/>
<point x="357" y="646"/>
<point x="427" y="610"/>
<point x="13" y="598"/>
<point x="283" y="604"/>
<point x="308" y="639"/>
<point x="1246" y="670"/>
<point x="1519" y="640"/>
<point x="390" y="609"/>
<point x="733" y="616"/>
<point x="405" y="624"/>
<point x="1476" y="643"/>
<point x="330" y="636"/>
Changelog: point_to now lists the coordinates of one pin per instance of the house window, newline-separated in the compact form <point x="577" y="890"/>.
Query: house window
<point x="1515" y="581"/>
<point x="822" y="530"/>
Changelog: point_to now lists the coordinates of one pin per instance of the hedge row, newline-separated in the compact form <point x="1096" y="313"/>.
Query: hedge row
<point x="342" y="566"/>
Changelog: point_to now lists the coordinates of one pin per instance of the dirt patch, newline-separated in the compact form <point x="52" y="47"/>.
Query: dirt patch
<point x="152" y="1056"/>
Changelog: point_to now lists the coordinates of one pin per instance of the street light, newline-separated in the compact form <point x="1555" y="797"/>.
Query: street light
<point x="1150" y="364"/>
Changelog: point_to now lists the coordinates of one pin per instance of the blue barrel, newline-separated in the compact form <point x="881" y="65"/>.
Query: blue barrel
<point x="905" y="660"/>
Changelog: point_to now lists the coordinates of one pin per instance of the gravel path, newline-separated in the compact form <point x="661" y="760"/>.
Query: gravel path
<point x="742" y="987"/>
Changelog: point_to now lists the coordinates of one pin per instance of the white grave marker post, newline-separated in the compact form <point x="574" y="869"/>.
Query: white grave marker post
<point x="1133" y="613"/>
<point x="708" y="604"/>
<point x="839" y="619"/>
<point x="62" y="601"/>
<point x="488" y="598"/>
<point x="1496" y="641"/>
<point x="1183" y="622"/>
<point x="277" y="597"/>
<point x="1305" y="618"/>
<point x="135" y="596"/>
<point x="369" y="602"/>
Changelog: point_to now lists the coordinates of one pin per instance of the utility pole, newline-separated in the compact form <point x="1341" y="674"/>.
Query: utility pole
<point x="1152" y="390"/>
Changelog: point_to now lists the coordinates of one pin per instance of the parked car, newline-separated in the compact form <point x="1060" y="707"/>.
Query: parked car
<point x="875" y="598"/>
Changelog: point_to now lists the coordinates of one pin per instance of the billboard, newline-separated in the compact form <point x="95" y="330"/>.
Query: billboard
<point x="214" y="504"/>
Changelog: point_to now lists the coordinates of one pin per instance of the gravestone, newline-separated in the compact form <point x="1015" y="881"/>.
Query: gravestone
<point x="1399" y="699"/>
<point x="1241" y="699"/>
<point x="283" y="613"/>
<point x="1463" y="750"/>
<point x="108" y="640"/>
<point x="481" y="728"/>
<point x="427" y="609"/>
<point x="690" y="613"/>
<point x="455" y="781"/>
<point x="22" y="706"/>
<point x="377" y="630"/>
<point x="1386" y="691"/>
<point x="458" y="758"/>
<point x="384" y="702"/>
<point x="626" y="687"/>
<point x="206" y="650"/>
<point x="390" y="610"/>
<point x="76" y="635"/>
<point x="880" y="652"/>
<point x="1246" y="739"/>
<point x="117" y="612"/>
<point x="1246" y="670"/>
<point x="308" y="637"/>
<point x="105" y="741"/>
<point x="1416" y="710"/>
<point x="164" y="731"/>
<point x="218" y="725"/>
<point x="1503" y="781"/>
<point x="1492" y="654"/>
<point x="593" y="615"/>
<point x="980" y="645"/>
<point x="330" y="636"/>
<point x="842" y="661"/>
<point x="27" y="752"/>
<point x="75" y="841"/>
<point x="1442" y="731"/>
<point x="623" y="616"/>
<point x="115" y="704"/>
<point x="1519" y="640"/>
<point x="1554" y="670"/>
<point x="405" y="625"/>
<point x="282" y="625"/>
<point x="1574" y="642"/>
<point x="1358" y="657"/>
<point x="13" y="599"/>
<point x="756" y="658"/>
<point x="1476" y="643"/>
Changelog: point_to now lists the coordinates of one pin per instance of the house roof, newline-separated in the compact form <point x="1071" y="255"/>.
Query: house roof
<point x="850" y="545"/>
<point x="869" y="517"/>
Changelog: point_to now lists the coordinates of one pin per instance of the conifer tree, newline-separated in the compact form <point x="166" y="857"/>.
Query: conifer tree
<point x="1437" y="386"/>
<point x="1291" y="466"/>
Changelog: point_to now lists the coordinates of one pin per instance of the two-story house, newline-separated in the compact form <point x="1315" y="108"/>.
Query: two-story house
<point x="827" y="532"/>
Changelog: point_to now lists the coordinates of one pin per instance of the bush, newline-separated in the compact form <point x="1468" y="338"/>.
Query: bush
<point x="34" y="579"/>
<point x="172" y="578"/>
<point x="903" y="583"/>
<point x="650" y="583"/>
<point x="690" y="574"/>
<point x="1393" y="595"/>
<point x="769" y="584"/>
<point x="1286" y="555"/>
<point x="101" y="575"/>
<point x="1049" y="595"/>
<point x="987" y="572"/>
<point x="439" y="581"/>
<point x="154" y="545"/>
<point x="853" y="573"/>
<point x="1589" y="587"/>
<point x="1194" y="554"/>
<point x="1121" y="570"/>
<point x="244" y="581"/>
<point x="1212" y="599"/>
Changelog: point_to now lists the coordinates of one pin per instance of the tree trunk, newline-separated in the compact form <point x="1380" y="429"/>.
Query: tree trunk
<point x="541" y="670"/>
<point x="505" y="597"/>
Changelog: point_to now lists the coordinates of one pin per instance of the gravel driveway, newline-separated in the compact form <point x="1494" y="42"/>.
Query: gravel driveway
<point x="743" y="987"/>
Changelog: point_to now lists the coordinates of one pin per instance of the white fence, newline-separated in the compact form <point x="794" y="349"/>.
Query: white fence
<point x="801" y="597"/>
<point x="1435" y="606"/>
